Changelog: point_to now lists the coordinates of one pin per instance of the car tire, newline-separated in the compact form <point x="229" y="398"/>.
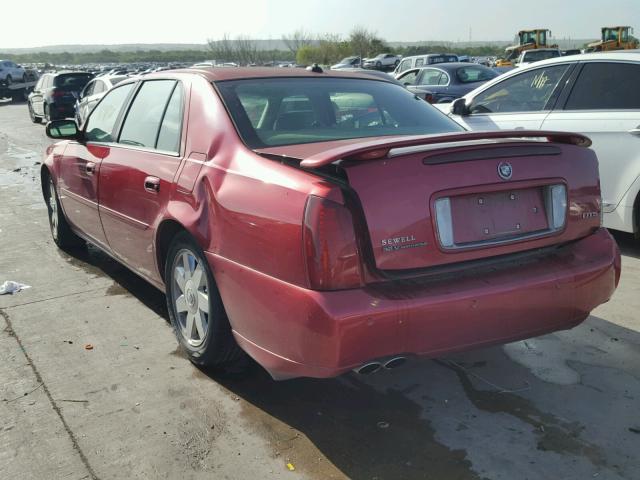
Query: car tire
<point x="378" y="65"/>
<point x="8" y="80"/>
<point x="45" y="110"/>
<point x="24" y="78"/>
<point x="32" y="114"/>
<point x="197" y="314"/>
<point x="61" y="232"/>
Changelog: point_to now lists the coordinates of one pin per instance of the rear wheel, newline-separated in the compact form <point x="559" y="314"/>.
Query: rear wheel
<point x="196" y="311"/>
<point x="60" y="229"/>
<point x="47" y="118"/>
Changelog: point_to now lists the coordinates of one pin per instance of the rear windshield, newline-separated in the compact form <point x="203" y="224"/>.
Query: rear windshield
<point x="537" y="55"/>
<point x="475" y="73"/>
<point x="73" y="81"/>
<point x="442" y="59"/>
<point x="290" y="111"/>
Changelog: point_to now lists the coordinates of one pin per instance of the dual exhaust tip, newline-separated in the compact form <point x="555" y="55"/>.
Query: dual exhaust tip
<point x="375" y="366"/>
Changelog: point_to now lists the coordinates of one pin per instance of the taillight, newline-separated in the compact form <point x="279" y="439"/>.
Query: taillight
<point x="330" y="247"/>
<point x="428" y="97"/>
<point x="58" y="93"/>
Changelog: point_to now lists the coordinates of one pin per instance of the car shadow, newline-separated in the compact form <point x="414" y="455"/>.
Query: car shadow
<point x="95" y="262"/>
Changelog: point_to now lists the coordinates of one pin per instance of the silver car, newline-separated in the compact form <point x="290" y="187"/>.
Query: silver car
<point x="92" y="93"/>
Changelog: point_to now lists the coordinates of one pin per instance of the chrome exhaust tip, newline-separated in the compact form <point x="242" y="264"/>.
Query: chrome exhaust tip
<point x="394" y="362"/>
<point x="368" y="368"/>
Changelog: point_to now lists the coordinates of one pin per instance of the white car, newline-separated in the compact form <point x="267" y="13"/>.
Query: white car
<point x="11" y="73"/>
<point x="530" y="56"/>
<point x="596" y="94"/>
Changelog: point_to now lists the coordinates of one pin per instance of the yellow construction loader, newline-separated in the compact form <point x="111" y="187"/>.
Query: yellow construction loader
<point x="614" y="38"/>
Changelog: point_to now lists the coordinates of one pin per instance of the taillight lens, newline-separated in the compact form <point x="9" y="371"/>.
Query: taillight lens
<point x="557" y="206"/>
<point x="330" y="247"/>
<point x="58" y="93"/>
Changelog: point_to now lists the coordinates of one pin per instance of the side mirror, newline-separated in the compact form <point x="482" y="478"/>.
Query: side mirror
<point x="63" y="130"/>
<point x="459" y="107"/>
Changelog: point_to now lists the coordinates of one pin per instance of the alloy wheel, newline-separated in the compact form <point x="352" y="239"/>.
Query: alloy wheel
<point x="190" y="296"/>
<point x="53" y="210"/>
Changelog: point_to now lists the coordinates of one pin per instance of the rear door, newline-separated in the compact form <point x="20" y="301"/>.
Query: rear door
<point x="521" y="101"/>
<point x="79" y="166"/>
<point x="604" y="104"/>
<point x="136" y="179"/>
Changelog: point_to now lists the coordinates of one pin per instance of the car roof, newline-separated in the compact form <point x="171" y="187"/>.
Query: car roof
<point x="216" y="74"/>
<point x="448" y="66"/>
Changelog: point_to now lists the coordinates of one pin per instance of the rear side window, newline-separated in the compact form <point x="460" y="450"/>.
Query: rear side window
<point x="526" y="92"/>
<point x="142" y="123"/>
<point x="606" y="86"/>
<point x="475" y="73"/>
<point x="169" y="136"/>
<point x="419" y="62"/>
<point x="430" y="77"/>
<point x="103" y="118"/>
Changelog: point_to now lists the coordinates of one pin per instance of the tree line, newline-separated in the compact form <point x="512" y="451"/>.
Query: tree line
<point x="301" y="46"/>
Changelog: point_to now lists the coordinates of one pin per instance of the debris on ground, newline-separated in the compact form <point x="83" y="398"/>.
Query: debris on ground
<point x="291" y="467"/>
<point x="12" y="287"/>
<point x="88" y="346"/>
<point x="383" y="425"/>
<point x="635" y="430"/>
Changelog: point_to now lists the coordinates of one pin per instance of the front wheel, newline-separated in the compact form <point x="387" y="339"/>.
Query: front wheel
<point x="32" y="114"/>
<point x="60" y="229"/>
<point x="8" y="80"/>
<point x="196" y="311"/>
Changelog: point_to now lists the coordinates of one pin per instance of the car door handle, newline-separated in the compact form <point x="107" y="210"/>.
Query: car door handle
<point x="90" y="168"/>
<point x="635" y="131"/>
<point x="152" y="184"/>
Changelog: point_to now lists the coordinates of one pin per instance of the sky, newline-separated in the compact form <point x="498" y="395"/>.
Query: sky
<point x="195" y="21"/>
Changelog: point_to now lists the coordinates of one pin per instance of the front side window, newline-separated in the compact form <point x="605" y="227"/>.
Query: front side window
<point x="289" y="111"/>
<point x="143" y="120"/>
<point x="526" y="92"/>
<point x="606" y="86"/>
<point x="103" y="118"/>
<point x="409" y="78"/>
<point x="419" y="62"/>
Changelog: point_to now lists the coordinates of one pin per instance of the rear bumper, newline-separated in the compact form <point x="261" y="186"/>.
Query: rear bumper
<point x="293" y="332"/>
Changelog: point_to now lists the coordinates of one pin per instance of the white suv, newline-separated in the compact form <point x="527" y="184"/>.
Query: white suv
<point x="595" y="94"/>
<point x="530" y="56"/>
<point x="11" y="73"/>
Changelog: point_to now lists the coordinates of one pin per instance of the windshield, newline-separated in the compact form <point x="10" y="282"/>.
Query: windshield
<point x="290" y="111"/>
<point x="537" y="55"/>
<point x="347" y="60"/>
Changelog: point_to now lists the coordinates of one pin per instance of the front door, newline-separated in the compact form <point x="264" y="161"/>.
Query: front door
<point x="137" y="177"/>
<point x="519" y="102"/>
<point x="79" y="167"/>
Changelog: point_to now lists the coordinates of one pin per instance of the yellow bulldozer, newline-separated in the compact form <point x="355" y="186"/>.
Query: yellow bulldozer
<point x="614" y="38"/>
<point x="528" y="40"/>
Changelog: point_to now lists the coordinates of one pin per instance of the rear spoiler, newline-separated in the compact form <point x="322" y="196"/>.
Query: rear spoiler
<point x="380" y="147"/>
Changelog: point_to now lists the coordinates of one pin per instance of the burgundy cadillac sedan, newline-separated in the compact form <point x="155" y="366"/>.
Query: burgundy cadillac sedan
<point x="323" y="222"/>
